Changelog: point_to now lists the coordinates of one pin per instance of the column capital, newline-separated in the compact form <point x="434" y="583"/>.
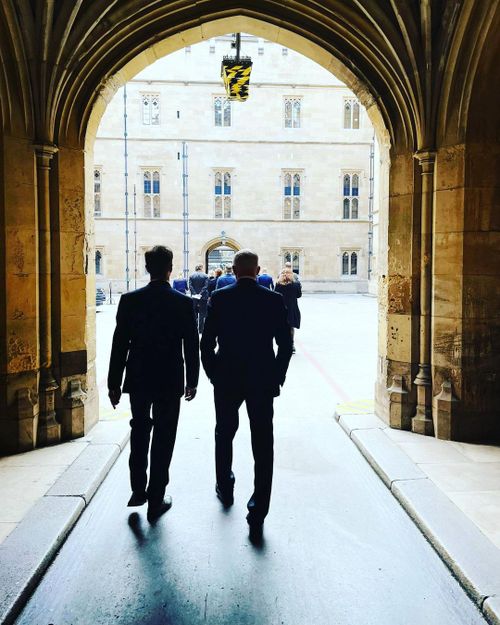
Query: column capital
<point x="44" y="153"/>
<point x="426" y="158"/>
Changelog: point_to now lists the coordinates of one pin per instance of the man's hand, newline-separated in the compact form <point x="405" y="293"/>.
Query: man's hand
<point x="190" y="393"/>
<point x="114" y="395"/>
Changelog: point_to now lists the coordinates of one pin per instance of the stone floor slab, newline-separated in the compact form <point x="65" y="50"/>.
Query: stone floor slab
<point x="483" y="508"/>
<point x="56" y="455"/>
<point x="464" y="548"/>
<point x="464" y="477"/>
<point x="479" y="453"/>
<point x="110" y="432"/>
<point x="390" y="463"/>
<point x="84" y="476"/>
<point x="28" y="550"/>
<point x="21" y="487"/>
<point x="351" y="422"/>
<point x="425" y="450"/>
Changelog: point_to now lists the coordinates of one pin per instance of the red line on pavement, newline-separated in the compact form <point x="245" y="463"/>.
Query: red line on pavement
<point x="338" y="390"/>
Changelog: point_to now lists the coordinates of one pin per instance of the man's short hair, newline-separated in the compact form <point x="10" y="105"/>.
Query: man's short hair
<point x="229" y="268"/>
<point x="158" y="261"/>
<point x="198" y="267"/>
<point x="246" y="260"/>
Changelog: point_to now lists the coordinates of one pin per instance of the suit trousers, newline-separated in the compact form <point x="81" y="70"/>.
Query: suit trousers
<point x="200" y="311"/>
<point x="165" y="416"/>
<point x="260" y="412"/>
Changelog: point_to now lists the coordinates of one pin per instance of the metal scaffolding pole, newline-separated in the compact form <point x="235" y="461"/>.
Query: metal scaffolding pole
<point x="370" y="207"/>
<point x="185" y="209"/>
<point x="125" y="154"/>
<point x="135" y="238"/>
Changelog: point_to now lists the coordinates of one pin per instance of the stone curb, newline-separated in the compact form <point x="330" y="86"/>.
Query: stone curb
<point x="28" y="551"/>
<point x="465" y="550"/>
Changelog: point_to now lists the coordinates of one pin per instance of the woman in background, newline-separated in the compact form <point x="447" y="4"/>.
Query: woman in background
<point x="289" y="286"/>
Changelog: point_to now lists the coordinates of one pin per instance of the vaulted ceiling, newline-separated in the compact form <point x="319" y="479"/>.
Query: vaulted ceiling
<point x="416" y="60"/>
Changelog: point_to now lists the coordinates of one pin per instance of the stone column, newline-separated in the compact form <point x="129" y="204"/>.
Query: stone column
<point x="49" y="430"/>
<point x="422" y="421"/>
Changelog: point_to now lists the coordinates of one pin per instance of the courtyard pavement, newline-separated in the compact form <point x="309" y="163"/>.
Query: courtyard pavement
<point x="338" y="547"/>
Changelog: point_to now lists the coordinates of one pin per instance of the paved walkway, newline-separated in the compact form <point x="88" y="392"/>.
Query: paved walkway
<point x="338" y="547"/>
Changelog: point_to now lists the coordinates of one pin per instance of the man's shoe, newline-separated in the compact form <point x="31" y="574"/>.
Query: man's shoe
<point x="255" y="528"/>
<point x="155" y="510"/>
<point x="137" y="499"/>
<point x="226" y="498"/>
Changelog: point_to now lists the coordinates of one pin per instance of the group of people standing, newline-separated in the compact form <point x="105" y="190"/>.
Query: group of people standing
<point x="200" y="287"/>
<point x="156" y="344"/>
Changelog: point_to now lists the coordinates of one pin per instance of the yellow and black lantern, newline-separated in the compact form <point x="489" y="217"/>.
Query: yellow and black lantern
<point x="235" y="72"/>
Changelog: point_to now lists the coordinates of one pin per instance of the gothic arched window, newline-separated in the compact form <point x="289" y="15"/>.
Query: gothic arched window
<point x="222" y="195"/>
<point x="151" y="109"/>
<point x="291" y="187"/>
<point x="151" y="193"/>
<point x="97" y="192"/>
<point x="350" y="193"/>
<point x="222" y="111"/>
<point x="345" y="264"/>
<point x="351" y="113"/>
<point x="292" y="110"/>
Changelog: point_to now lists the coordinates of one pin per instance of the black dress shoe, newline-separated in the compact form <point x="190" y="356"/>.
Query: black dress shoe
<point x="155" y="510"/>
<point x="225" y="497"/>
<point x="255" y="529"/>
<point x="137" y="499"/>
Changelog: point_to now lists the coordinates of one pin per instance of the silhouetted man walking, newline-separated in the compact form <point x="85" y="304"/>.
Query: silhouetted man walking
<point x="154" y="325"/>
<point x="198" y="283"/>
<point x="243" y="319"/>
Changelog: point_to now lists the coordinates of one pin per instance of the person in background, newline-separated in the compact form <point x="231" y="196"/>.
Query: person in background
<point x="212" y="281"/>
<point x="264" y="279"/>
<point x="180" y="284"/>
<point x="198" y="282"/>
<point x="288" y="268"/>
<point x="226" y="279"/>
<point x="291" y="290"/>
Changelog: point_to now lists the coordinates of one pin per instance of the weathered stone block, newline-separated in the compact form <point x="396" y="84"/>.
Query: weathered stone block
<point x="399" y="337"/>
<point x="450" y="167"/>
<point x="482" y="254"/>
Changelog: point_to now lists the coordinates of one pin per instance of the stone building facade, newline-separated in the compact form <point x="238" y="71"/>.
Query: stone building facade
<point x="286" y="173"/>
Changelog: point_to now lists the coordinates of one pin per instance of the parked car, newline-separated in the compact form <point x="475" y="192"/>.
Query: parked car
<point x="100" y="297"/>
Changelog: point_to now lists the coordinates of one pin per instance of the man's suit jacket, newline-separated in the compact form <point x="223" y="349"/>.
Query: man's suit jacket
<point x="265" y="280"/>
<point x="198" y="282"/>
<point x="225" y="280"/>
<point x="154" y="325"/>
<point x="243" y="319"/>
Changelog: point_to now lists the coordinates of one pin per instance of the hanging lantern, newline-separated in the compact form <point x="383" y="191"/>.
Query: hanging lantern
<point x="235" y="72"/>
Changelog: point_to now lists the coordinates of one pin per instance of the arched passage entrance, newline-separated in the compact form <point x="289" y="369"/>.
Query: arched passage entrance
<point x="220" y="252"/>
<point x="433" y="333"/>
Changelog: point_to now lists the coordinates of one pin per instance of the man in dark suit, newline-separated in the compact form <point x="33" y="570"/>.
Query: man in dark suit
<point x="154" y="325"/>
<point x="264" y="279"/>
<point x="198" y="283"/>
<point x="244" y="319"/>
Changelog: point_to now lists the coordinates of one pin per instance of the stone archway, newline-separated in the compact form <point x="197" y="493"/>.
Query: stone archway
<point x="417" y="83"/>
<point x="223" y="244"/>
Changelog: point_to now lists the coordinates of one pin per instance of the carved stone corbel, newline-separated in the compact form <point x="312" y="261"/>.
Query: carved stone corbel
<point x="27" y="417"/>
<point x="444" y="406"/>
<point x="73" y="410"/>
<point x="399" y="405"/>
